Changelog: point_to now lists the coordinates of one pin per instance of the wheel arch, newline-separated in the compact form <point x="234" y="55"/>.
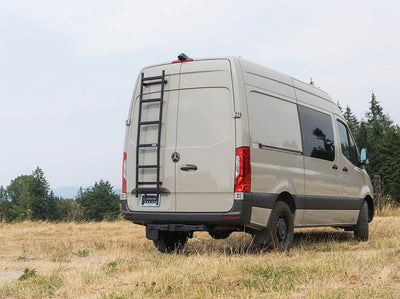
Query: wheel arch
<point x="288" y="199"/>
<point x="371" y="207"/>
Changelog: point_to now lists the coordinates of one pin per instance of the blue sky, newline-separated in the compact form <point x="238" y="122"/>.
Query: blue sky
<point x="68" y="67"/>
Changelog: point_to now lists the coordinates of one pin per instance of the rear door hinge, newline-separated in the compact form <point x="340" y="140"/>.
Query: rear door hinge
<point x="237" y="114"/>
<point x="128" y="122"/>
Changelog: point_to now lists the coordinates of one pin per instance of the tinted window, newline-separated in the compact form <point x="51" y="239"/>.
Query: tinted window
<point x="349" y="148"/>
<point x="344" y="141"/>
<point x="354" y="154"/>
<point x="317" y="134"/>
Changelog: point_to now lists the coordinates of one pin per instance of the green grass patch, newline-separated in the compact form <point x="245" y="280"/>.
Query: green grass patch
<point x="27" y="274"/>
<point x="83" y="252"/>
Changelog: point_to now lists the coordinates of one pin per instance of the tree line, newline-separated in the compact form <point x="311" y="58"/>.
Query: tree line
<point x="381" y="137"/>
<point x="29" y="197"/>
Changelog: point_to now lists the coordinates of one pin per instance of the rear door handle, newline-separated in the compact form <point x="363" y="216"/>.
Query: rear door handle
<point x="334" y="167"/>
<point x="345" y="169"/>
<point x="189" y="167"/>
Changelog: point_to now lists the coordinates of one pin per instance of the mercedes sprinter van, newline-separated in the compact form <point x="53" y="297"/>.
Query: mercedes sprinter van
<point x="224" y="144"/>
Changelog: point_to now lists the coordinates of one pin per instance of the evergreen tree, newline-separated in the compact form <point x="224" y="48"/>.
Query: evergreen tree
<point x="19" y="194"/>
<point x="99" y="202"/>
<point x="382" y="139"/>
<point x="375" y="112"/>
<point x="43" y="202"/>
<point x="4" y="204"/>
<point x="351" y="120"/>
<point x="361" y="135"/>
<point x="69" y="210"/>
<point x="51" y="206"/>
<point x="375" y="127"/>
<point x="30" y="198"/>
<point x="3" y="194"/>
<point x="390" y="165"/>
<point x="378" y="122"/>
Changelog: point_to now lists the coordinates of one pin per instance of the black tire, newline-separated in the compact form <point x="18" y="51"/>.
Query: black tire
<point x="170" y="241"/>
<point x="361" y="231"/>
<point x="281" y="227"/>
<point x="220" y="234"/>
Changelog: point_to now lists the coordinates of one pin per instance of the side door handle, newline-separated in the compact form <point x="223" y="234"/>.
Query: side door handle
<point x="189" y="167"/>
<point x="334" y="167"/>
<point x="345" y="169"/>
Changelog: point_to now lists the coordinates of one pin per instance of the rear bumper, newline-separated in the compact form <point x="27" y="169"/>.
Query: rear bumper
<point x="239" y="215"/>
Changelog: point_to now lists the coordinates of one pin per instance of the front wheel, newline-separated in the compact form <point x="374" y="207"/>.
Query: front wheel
<point x="170" y="241"/>
<point x="281" y="227"/>
<point x="361" y="228"/>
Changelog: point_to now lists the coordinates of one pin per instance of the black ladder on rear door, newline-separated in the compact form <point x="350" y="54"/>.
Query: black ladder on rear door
<point x="155" y="186"/>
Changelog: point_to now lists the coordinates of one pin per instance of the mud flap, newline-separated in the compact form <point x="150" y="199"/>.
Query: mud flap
<point x="263" y="237"/>
<point x="151" y="234"/>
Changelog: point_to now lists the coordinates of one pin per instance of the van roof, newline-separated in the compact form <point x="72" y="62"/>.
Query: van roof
<point x="256" y="68"/>
<point x="277" y="76"/>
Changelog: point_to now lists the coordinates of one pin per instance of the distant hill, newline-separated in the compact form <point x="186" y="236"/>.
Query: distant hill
<point x="72" y="191"/>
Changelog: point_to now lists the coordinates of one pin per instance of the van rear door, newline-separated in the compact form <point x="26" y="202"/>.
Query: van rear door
<point x="205" y="138"/>
<point x="149" y="135"/>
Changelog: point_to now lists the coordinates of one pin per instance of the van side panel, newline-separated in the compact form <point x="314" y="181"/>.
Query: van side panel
<point x="275" y="142"/>
<point x="274" y="122"/>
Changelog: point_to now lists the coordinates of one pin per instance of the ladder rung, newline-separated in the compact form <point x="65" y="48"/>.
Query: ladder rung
<point x="148" y="145"/>
<point x="152" y="78"/>
<point x="147" y="166"/>
<point x="150" y="183"/>
<point x="151" y="100"/>
<point x="153" y="122"/>
<point x="154" y="83"/>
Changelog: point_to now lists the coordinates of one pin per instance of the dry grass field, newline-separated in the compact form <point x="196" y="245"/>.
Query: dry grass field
<point x="115" y="260"/>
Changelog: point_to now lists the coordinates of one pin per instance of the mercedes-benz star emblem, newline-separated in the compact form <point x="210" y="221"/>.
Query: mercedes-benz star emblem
<point x="175" y="157"/>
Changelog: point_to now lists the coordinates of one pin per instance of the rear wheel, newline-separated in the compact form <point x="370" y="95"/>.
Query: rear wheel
<point x="361" y="228"/>
<point x="170" y="241"/>
<point x="281" y="227"/>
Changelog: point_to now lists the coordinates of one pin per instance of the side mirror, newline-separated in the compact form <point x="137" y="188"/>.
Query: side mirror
<point x="364" y="157"/>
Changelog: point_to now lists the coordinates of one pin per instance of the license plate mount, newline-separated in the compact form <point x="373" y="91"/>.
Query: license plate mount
<point x="150" y="200"/>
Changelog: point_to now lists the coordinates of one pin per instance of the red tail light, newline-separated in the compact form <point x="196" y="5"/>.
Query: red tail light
<point x="124" y="173"/>
<point x="242" y="170"/>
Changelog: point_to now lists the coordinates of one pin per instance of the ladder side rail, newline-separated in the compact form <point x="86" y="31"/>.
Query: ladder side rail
<point x="159" y="131"/>
<point x="138" y="133"/>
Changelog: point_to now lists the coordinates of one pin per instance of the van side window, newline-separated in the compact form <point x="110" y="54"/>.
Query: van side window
<point x="349" y="148"/>
<point x="354" y="154"/>
<point x="317" y="134"/>
<point x="344" y="141"/>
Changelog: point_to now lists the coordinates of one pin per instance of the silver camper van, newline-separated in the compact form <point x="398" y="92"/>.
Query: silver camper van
<point x="224" y="144"/>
